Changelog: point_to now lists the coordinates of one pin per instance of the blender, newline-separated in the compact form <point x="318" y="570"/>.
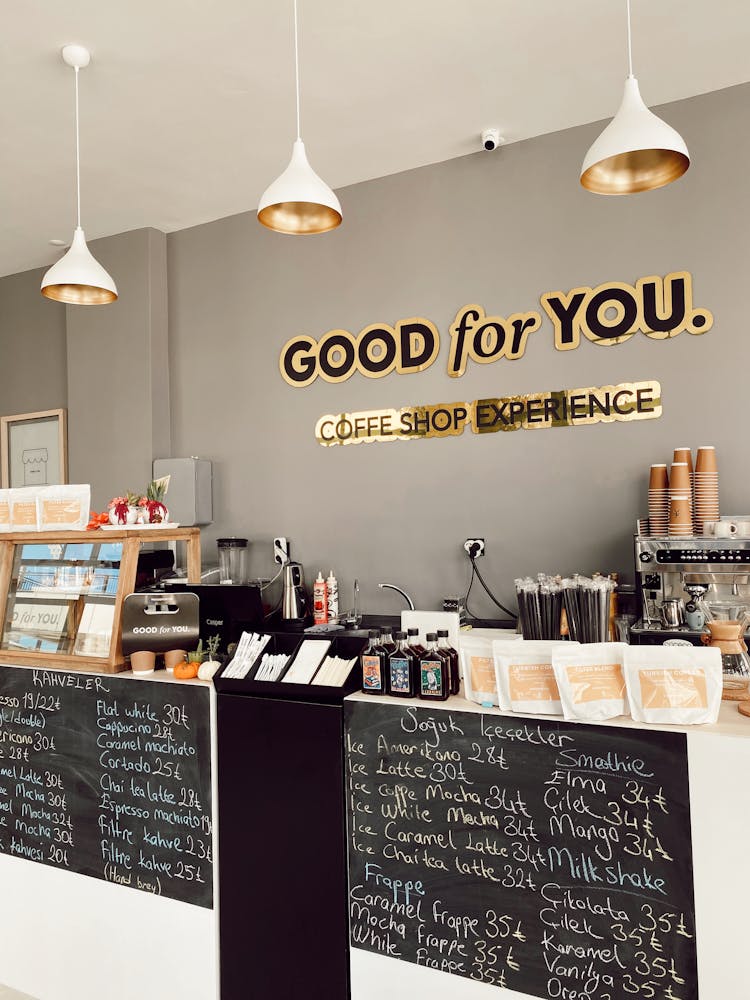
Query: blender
<point x="727" y="617"/>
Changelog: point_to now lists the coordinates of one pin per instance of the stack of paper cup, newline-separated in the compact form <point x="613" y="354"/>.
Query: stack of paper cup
<point x="680" y="487"/>
<point x="680" y="518"/>
<point x="686" y="455"/>
<point x="706" y="486"/>
<point x="658" y="500"/>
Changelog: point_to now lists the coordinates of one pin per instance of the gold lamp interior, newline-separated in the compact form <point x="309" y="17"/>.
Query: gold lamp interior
<point x="299" y="218"/>
<point x="634" y="171"/>
<point x="79" y="295"/>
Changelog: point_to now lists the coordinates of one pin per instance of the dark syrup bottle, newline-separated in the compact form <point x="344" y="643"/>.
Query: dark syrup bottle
<point x="451" y="655"/>
<point x="386" y="640"/>
<point x="402" y="669"/>
<point x="414" y="644"/>
<point x="374" y="666"/>
<point x="434" y="672"/>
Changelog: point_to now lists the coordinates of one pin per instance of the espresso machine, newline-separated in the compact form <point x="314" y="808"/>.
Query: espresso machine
<point x="676" y="577"/>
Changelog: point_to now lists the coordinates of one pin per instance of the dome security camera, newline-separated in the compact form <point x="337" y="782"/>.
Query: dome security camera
<point x="491" y="139"/>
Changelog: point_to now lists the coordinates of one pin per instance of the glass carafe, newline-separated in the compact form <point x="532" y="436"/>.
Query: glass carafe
<point x="727" y="618"/>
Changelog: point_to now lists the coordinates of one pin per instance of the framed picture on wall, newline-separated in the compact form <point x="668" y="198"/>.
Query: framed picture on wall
<point x="34" y="449"/>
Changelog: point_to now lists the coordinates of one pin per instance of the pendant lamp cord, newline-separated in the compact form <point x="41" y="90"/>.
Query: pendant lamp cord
<point x="78" y="156"/>
<point x="296" y="64"/>
<point x="630" y="43"/>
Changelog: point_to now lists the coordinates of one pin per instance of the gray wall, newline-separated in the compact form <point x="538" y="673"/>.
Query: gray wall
<point x="118" y="380"/>
<point x="498" y="229"/>
<point x="33" y="366"/>
<point x="108" y="366"/>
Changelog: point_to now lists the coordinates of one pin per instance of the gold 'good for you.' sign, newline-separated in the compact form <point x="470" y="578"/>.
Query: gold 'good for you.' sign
<point x="657" y="307"/>
<point x="564" y="408"/>
<point x="610" y="314"/>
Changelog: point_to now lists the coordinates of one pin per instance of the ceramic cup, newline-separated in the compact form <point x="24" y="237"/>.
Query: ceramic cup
<point x="726" y="529"/>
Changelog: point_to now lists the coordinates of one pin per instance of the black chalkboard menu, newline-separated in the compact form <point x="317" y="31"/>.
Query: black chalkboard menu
<point x="544" y="857"/>
<point x="108" y="777"/>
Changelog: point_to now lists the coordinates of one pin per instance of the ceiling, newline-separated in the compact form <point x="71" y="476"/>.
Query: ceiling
<point x="188" y="106"/>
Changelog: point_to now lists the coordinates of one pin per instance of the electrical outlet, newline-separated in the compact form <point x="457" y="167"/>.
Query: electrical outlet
<point x="474" y="547"/>
<point x="280" y="551"/>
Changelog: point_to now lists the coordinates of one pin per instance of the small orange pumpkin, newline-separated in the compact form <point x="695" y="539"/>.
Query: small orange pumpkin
<point x="186" y="671"/>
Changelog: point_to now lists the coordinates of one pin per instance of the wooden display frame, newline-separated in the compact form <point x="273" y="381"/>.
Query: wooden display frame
<point x="6" y="424"/>
<point x="132" y="541"/>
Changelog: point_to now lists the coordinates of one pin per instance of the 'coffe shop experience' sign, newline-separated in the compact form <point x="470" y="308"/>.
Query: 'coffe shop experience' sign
<point x="609" y="314"/>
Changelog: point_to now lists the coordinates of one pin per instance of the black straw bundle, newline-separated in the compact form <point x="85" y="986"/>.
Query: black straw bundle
<point x="585" y="601"/>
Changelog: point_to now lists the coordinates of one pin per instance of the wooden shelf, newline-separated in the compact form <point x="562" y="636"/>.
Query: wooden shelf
<point x="131" y="540"/>
<point x="100" y="537"/>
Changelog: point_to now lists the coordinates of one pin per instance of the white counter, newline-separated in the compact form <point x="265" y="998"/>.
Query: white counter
<point x="719" y="776"/>
<point x="67" y="936"/>
<point x="730" y="722"/>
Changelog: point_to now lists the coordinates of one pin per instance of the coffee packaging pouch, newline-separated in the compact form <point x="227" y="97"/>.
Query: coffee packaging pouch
<point x="591" y="681"/>
<point x="64" y="508"/>
<point x="4" y="510"/>
<point x="24" y="510"/>
<point x="674" y="684"/>
<point x="526" y="679"/>
<point x="478" y="670"/>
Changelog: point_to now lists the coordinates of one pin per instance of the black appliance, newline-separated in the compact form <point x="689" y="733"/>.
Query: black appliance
<point x="225" y="610"/>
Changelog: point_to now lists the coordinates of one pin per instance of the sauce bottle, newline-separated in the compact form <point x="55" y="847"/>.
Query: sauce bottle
<point x="320" y="601"/>
<point x="402" y="669"/>
<point x="374" y="678"/>
<point x="434" y="672"/>
<point x="332" y="587"/>
<point x="414" y="644"/>
<point x="451" y="655"/>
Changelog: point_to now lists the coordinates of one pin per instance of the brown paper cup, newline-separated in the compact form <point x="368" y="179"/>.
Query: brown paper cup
<point x="658" y="478"/>
<point x="172" y="657"/>
<point x="679" y="478"/>
<point x="142" y="662"/>
<point x="679" y="509"/>
<point x="706" y="459"/>
<point x="684" y="455"/>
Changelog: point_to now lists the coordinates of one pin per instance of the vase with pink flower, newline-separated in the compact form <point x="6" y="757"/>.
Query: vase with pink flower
<point x="124" y="511"/>
<point x="152" y="505"/>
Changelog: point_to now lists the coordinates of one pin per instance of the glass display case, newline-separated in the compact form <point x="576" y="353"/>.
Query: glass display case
<point x="61" y="595"/>
<point x="62" y="598"/>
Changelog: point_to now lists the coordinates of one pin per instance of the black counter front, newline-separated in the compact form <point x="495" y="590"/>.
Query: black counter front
<point x="282" y="840"/>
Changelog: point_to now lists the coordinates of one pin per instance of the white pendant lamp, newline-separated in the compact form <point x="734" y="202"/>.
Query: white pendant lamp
<point x="299" y="202"/>
<point x="637" y="151"/>
<point x="77" y="278"/>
